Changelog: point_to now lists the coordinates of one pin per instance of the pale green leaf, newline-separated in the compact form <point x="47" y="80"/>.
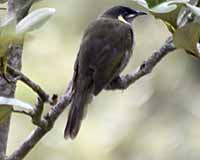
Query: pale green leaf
<point x="152" y="3"/>
<point x="34" y="20"/>
<point x="3" y="1"/>
<point x="164" y="7"/>
<point x="168" y="11"/>
<point x="7" y="33"/>
<point x="142" y="3"/>
<point x="15" y="102"/>
<point x="187" y="37"/>
<point x="4" y="112"/>
<point x="194" y="9"/>
<point x="7" y="26"/>
<point x="7" y="36"/>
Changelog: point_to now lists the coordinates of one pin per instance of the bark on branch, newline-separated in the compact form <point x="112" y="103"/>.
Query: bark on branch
<point x="17" y="75"/>
<point x="15" y="7"/>
<point x="145" y="68"/>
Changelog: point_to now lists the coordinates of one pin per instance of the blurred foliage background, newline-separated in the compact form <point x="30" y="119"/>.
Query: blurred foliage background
<point x="157" y="118"/>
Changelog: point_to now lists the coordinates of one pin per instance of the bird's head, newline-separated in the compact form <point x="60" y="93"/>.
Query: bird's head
<point x="122" y="13"/>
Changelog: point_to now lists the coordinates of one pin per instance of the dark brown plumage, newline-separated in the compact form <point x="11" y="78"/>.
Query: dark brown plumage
<point x="104" y="52"/>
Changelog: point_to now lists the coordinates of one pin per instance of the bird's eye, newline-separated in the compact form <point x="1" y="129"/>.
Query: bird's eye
<point x="125" y="13"/>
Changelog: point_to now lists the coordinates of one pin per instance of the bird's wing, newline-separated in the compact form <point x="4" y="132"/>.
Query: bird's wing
<point x="102" y="51"/>
<point x="106" y="68"/>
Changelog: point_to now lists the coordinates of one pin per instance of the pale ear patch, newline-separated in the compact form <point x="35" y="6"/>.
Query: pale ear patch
<point x="121" y="18"/>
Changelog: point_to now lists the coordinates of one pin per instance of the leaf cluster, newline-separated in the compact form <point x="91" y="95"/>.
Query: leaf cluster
<point x="13" y="32"/>
<point x="185" y="35"/>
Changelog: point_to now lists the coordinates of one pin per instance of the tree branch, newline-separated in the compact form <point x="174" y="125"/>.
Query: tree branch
<point x="35" y="87"/>
<point x="39" y="132"/>
<point x="35" y="114"/>
<point x="145" y="68"/>
<point x="22" y="112"/>
<point x="14" y="60"/>
<point x="8" y="90"/>
<point x="65" y="100"/>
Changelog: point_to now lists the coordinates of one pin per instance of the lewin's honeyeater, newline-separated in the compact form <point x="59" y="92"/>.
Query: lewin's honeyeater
<point x="104" y="52"/>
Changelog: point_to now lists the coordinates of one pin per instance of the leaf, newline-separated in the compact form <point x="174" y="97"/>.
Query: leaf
<point x="187" y="37"/>
<point x="169" y="15"/>
<point x="14" y="102"/>
<point x="3" y="1"/>
<point x="7" y="36"/>
<point x="152" y="3"/>
<point x="142" y="3"/>
<point x="168" y="11"/>
<point x="4" y="112"/>
<point x="147" y="4"/>
<point x="7" y="33"/>
<point x="34" y="20"/>
<point x="194" y="9"/>
<point x="4" y="62"/>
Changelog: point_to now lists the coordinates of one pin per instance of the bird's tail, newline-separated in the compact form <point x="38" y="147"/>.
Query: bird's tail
<point x="78" y="109"/>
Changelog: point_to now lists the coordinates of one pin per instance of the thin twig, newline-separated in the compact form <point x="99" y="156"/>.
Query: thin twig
<point x="35" y="114"/>
<point x="35" y="87"/>
<point x="43" y="97"/>
<point x="22" y="112"/>
<point x="39" y="132"/>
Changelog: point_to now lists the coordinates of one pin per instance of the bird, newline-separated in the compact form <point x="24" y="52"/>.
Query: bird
<point x="104" y="52"/>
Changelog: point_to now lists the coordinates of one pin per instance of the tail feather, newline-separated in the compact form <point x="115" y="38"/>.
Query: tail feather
<point x="77" y="111"/>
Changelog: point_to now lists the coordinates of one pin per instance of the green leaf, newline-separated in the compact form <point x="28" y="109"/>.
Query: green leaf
<point x="34" y="20"/>
<point x="147" y="4"/>
<point x="4" y="62"/>
<point x="152" y="3"/>
<point x="187" y="37"/>
<point x="3" y="1"/>
<point x="4" y="112"/>
<point x="7" y="34"/>
<point x="15" y="102"/>
<point x="6" y="106"/>
<point x="168" y="11"/>
<point x="142" y="3"/>
<point x="194" y="9"/>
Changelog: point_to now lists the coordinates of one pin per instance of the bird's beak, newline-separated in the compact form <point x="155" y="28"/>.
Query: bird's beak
<point x="139" y="13"/>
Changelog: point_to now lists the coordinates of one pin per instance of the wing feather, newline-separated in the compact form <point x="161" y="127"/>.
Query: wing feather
<point x="104" y="46"/>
